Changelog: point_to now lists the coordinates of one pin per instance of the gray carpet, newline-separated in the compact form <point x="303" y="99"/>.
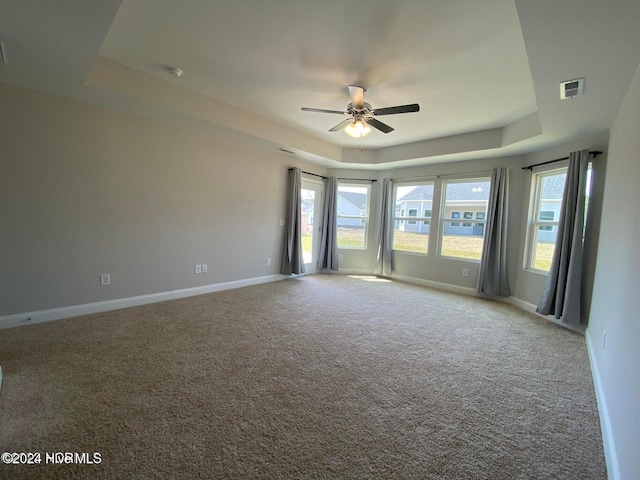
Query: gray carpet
<point x="317" y="377"/>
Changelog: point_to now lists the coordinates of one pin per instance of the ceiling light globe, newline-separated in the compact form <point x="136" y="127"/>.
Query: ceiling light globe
<point x="357" y="129"/>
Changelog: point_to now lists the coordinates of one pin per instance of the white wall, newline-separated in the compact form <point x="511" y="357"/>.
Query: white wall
<point x="615" y="307"/>
<point x="85" y="190"/>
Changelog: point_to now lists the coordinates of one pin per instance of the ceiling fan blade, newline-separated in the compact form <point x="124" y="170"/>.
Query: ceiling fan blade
<point x="414" y="107"/>
<point x="357" y="96"/>
<point x="383" y="127"/>
<point x="341" y="125"/>
<point x="320" y="110"/>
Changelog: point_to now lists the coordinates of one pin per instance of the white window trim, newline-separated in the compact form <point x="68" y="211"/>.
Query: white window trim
<point x="533" y="221"/>
<point x="444" y="219"/>
<point x="402" y="218"/>
<point x="364" y="218"/>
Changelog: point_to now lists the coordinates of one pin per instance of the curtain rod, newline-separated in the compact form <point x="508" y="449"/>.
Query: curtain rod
<point x="354" y="179"/>
<point x="531" y="167"/>
<point x="462" y="175"/>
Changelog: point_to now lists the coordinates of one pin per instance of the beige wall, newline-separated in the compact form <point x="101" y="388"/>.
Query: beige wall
<point x="615" y="307"/>
<point x="430" y="267"/>
<point x="530" y="284"/>
<point x="526" y="285"/>
<point x="362" y="260"/>
<point x="86" y="190"/>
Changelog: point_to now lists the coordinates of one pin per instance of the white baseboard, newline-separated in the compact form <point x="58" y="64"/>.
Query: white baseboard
<point x="530" y="307"/>
<point x="526" y="306"/>
<point x="29" y="318"/>
<point x="610" y="454"/>
<point x="353" y="271"/>
<point x="439" y="285"/>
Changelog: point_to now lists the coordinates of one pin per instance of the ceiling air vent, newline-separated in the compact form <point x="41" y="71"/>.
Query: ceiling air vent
<point x="571" y="88"/>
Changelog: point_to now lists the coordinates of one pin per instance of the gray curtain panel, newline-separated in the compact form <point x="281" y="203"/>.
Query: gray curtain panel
<point x="493" y="265"/>
<point x="328" y="257"/>
<point x="292" y="260"/>
<point x="562" y="293"/>
<point x="385" y="236"/>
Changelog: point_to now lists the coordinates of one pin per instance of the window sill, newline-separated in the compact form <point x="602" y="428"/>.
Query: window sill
<point x="537" y="272"/>
<point x="460" y="259"/>
<point x="406" y="252"/>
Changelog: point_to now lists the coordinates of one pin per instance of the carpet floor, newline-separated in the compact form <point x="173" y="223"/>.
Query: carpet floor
<point x="324" y="376"/>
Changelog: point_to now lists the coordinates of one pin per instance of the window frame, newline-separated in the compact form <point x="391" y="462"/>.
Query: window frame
<point x="459" y="221"/>
<point x="430" y="210"/>
<point x="415" y="215"/>
<point x="364" y="218"/>
<point x="534" y="224"/>
<point x="546" y="228"/>
<point x="402" y="216"/>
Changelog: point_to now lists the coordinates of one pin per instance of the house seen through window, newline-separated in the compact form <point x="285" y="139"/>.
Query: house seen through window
<point x="411" y="230"/>
<point x="352" y="215"/>
<point x="464" y="209"/>
<point x="544" y="215"/>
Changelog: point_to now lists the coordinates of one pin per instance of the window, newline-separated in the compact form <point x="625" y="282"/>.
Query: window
<point x="546" y="216"/>
<point x="463" y="200"/>
<point x="455" y="215"/>
<point x="411" y="233"/>
<point x="547" y="189"/>
<point x="353" y="215"/>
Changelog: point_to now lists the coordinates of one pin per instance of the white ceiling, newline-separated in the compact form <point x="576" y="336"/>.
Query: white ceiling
<point x="486" y="74"/>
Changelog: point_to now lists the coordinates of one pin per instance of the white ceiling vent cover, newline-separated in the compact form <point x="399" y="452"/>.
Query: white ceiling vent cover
<point x="571" y="88"/>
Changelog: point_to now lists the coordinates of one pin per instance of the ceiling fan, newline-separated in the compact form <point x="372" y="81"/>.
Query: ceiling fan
<point x="362" y="115"/>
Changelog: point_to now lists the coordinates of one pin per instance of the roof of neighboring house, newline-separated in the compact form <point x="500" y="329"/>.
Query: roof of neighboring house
<point x="468" y="191"/>
<point x="455" y="191"/>
<point x="358" y="200"/>
<point x="423" y="192"/>
<point x="553" y="187"/>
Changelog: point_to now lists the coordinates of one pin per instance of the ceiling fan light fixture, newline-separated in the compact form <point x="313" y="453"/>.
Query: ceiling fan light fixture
<point x="357" y="129"/>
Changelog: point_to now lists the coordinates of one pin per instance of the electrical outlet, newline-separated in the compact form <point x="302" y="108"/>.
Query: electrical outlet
<point x="340" y="257"/>
<point x="105" y="279"/>
<point x="282" y="222"/>
<point x="268" y="262"/>
<point x="198" y="269"/>
<point x="204" y="268"/>
<point x="465" y="272"/>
